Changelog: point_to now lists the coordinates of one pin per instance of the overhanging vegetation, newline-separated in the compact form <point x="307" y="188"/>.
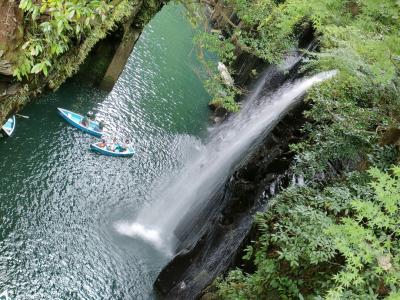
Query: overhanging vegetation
<point x="336" y="238"/>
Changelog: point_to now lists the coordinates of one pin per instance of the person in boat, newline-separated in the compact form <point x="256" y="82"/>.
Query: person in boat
<point x="101" y="125"/>
<point x="125" y="145"/>
<point x="112" y="146"/>
<point x="103" y="143"/>
<point x="85" y="121"/>
<point x="91" y="115"/>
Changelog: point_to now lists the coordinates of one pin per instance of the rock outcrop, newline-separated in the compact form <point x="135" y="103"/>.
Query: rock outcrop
<point x="11" y="34"/>
<point x="131" y="33"/>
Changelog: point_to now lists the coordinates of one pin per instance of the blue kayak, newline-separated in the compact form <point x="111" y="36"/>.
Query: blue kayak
<point x="9" y="126"/>
<point x="105" y="149"/>
<point x="76" y="120"/>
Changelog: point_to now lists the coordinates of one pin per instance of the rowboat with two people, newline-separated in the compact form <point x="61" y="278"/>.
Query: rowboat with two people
<point x="9" y="126"/>
<point x="113" y="148"/>
<point x="85" y="124"/>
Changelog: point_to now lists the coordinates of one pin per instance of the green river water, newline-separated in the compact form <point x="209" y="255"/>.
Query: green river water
<point x="59" y="201"/>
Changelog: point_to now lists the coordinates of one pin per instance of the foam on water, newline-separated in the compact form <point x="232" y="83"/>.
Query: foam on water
<point x="137" y="230"/>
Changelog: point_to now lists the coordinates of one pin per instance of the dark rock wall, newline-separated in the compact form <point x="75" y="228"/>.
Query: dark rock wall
<point x="218" y="234"/>
<point x="246" y="192"/>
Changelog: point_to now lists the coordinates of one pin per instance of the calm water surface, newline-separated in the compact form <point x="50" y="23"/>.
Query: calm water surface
<point x="59" y="202"/>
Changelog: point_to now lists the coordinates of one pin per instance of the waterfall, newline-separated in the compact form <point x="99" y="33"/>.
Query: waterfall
<point x="208" y="169"/>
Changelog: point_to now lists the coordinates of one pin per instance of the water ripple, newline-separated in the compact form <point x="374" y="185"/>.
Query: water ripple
<point x="59" y="201"/>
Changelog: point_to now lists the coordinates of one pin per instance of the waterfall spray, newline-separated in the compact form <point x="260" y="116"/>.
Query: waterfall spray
<point x="207" y="171"/>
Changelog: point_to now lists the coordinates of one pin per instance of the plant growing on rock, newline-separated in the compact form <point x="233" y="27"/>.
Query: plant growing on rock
<point x="223" y="95"/>
<point x="53" y="26"/>
<point x="369" y="242"/>
<point x="339" y="242"/>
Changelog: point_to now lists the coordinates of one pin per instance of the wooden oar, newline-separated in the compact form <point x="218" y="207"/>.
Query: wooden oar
<point x="22" y="116"/>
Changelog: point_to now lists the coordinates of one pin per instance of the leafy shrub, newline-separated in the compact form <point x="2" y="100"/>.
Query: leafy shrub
<point x="369" y="241"/>
<point x="308" y="248"/>
<point x="52" y="27"/>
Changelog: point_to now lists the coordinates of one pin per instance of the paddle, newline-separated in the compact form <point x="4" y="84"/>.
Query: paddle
<point x="22" y="116"/>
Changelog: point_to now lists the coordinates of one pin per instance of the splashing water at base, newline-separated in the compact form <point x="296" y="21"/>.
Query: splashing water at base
<point x="151" y="236"/>
<point x="207" y="170"/>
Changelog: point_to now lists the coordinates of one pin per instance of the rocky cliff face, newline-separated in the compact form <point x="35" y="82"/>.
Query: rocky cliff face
<point x="230" y="217"/>
<point x="11" y="34"/>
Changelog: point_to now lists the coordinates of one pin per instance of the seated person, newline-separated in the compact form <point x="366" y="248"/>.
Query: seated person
<point x="100" y="127"/>
<point x="120" y="148"/>
<point x="125" y="145"/>
<point x="85" y="122"/>
<point x="111" y="146"/>
<point x="91" y="115"/>
<point x="103" y="143"/>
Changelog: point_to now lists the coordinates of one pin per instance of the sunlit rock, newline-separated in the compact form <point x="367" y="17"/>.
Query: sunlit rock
<point x="228" y="80"/>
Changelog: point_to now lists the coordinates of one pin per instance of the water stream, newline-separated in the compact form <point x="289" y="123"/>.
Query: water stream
<point x="212" y="162"/>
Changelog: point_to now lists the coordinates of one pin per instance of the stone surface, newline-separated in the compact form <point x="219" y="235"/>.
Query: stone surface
<point x="121" y="55"/>
<point x="11" y="33"/>
<point x="131" y="31"/>
<point x="120" y="58"/>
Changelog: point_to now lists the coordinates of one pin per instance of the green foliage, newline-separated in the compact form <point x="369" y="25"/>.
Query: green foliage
<point x="149" y="9"/>
<point x="53" y="25"/>
<point x="222" y="48"/>
<point x="213" y="47"/>
<point x="369" y="241"/>
<point x="358" y="38"/>
<point x="227" y="102"/>
<point x="222" y="95"/>
<point x="338" y="242"/>
<point x="69" y="63"/>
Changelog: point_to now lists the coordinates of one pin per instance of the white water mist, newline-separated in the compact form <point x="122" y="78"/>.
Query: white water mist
<point x="209" y="169"/>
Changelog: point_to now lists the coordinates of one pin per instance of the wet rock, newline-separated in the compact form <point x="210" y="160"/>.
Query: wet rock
<point x="3" y="89"/>
<point x="115" y="68"/>
<point x="5" y="67"/>
<point x="390" y="137"/>
<point x="219" y="114"/>
<point x="224" y="73"/>
<point x="13" y="89"/>
<point x="229" y="224"/>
